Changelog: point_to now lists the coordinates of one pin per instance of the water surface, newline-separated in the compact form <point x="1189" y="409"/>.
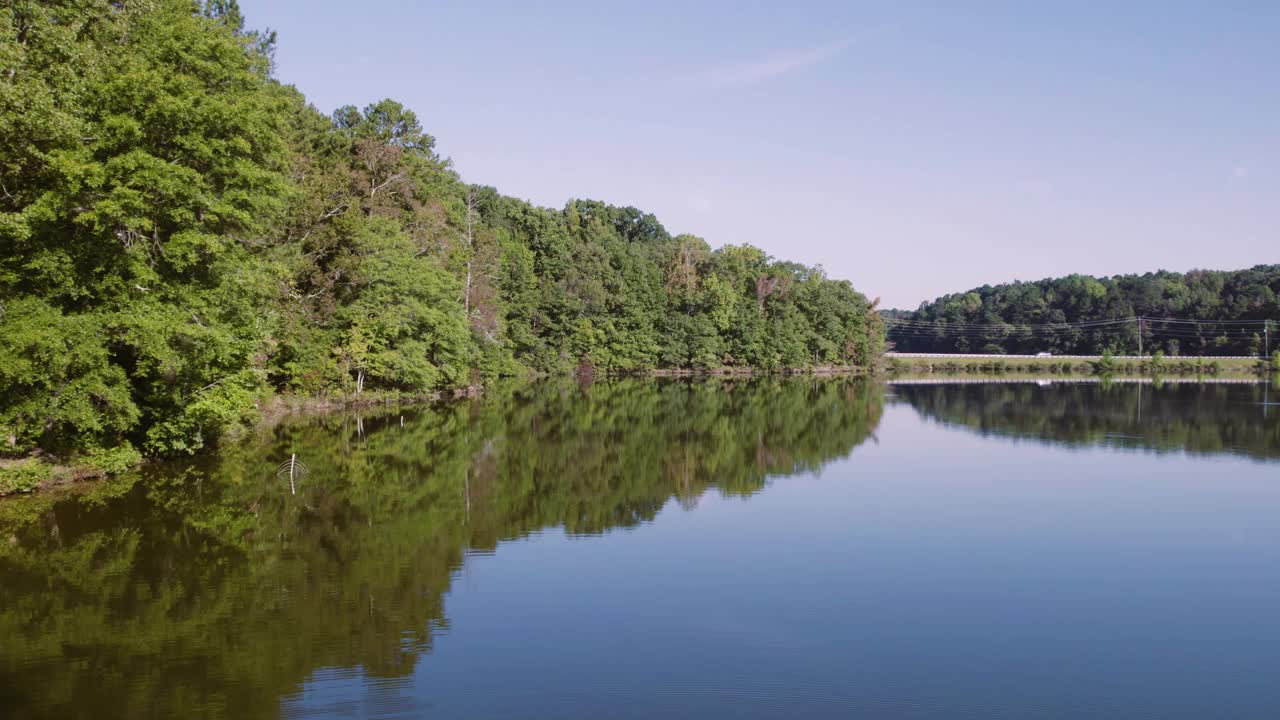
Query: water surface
<point x="743" y="548"/>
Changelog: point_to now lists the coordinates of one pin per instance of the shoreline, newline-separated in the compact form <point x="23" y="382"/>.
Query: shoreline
<point x="43" y="475"/>
<point x="996" y="365"/>
<point x="41" y="472"/>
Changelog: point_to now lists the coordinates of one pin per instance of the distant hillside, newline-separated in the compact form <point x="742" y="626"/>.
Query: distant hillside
<point x="1202" y="312"/>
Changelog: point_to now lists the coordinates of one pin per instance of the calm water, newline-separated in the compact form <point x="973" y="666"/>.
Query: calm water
<point x="639" y="549"/>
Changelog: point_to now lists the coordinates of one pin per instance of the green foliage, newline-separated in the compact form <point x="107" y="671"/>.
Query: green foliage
<point x="59" y="386"/>
<point x="22" y="477"/>
<point x="1218" y="299"/>
<point x="115" y="460"/>
<point x="127" y="279"/>
<point x="181" y="235"/>
<point x="1156" y="364"/>
<point x="1039" y="366"/>
<point x="222" y="408"/>
<point x="1106" y="365"/>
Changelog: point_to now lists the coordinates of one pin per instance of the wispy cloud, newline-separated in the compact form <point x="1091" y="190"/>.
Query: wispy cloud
<point x="769" y="68"/>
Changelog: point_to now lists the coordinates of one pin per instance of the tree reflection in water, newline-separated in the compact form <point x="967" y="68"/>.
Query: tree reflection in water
<point x="208" y="588"/>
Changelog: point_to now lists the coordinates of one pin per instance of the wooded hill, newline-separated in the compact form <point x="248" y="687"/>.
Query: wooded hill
<point x="1202" y="312"/>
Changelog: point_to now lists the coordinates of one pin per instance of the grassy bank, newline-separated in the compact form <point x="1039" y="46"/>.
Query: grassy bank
<point x="1179" y="366"/>
<point x="27" y="474"/>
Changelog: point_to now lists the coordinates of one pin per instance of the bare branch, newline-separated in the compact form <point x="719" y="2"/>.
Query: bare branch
<point x="394" y="177"/>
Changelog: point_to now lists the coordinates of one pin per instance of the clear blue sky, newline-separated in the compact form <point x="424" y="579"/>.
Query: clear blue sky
<point x="913" y="148"/>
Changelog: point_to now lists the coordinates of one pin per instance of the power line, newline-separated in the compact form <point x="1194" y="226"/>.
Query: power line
<point x="1190" y="333"/>
<point x="1260" y="325"/>
<point x="945" y="323"/>
<point x="1209" y="322"/>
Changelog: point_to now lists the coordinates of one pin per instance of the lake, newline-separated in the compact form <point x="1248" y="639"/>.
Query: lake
<point x="745" y="548"/>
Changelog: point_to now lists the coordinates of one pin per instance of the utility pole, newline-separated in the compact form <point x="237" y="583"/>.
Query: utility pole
<point x="1139" y="336"/>
<point x="1266" y="338"/>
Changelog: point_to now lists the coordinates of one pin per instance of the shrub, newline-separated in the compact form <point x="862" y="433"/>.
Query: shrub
<point x="116" y="460"/>
<point x="1106" y="365"/>
<point x="1157" y="362"/>
<point x="223" y="409"/>
<point x="23" y="477"/>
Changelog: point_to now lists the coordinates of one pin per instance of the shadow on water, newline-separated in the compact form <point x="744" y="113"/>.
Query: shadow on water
<point x="1198" y="418"/>
<point x="208" y="588"/>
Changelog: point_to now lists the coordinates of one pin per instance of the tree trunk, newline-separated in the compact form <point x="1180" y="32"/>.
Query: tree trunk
<point x="466" y="304"/>
<point x="471" y="253"/>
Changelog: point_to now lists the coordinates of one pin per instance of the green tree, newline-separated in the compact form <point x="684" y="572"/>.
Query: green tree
<point x="182" y="236"/>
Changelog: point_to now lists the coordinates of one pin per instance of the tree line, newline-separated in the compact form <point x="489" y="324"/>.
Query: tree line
<point x="1202" y="312"/>
<point x="182" y="235"/>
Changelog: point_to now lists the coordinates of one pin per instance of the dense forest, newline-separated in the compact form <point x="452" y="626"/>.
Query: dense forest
<point x="181" y="236"/>
<point x="1202" y="312"/>
<point x="215" y="558"/>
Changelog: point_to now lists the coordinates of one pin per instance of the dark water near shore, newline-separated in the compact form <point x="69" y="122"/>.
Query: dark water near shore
<point x="702" y="549"/>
